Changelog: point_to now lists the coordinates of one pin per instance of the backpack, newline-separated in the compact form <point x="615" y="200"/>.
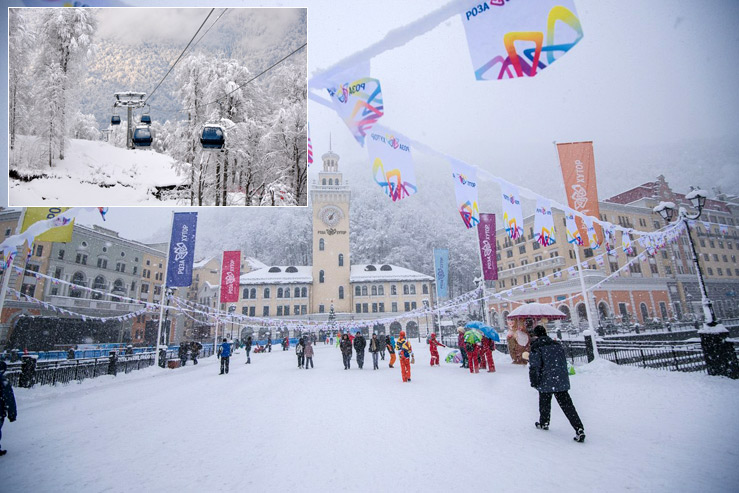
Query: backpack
<point x="299" y="349"/>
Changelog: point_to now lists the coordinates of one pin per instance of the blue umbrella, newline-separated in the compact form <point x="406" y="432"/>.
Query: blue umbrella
<point x="488" y="331"/>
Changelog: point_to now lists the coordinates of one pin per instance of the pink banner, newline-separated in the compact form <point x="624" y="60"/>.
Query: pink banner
<point x="230" y="277"/>
<point x="486" y="234"/>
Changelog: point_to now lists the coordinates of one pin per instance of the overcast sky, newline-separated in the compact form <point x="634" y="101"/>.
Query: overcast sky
<point x="648" y="81"/>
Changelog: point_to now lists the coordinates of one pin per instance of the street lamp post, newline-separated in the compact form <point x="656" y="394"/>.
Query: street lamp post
<point x="720" y="355"/>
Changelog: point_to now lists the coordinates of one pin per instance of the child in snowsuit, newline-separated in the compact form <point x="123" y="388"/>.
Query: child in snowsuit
<point x="473" y="351"/>
<point x="390" y="345"/>
<point x="433" y="347"/>
<point x="346" y="351"/>
<point x="487" y="354"/>
<point x="224" y="352"/>
<point x="308" y="353"/>
<point x="7" y="401"/>
<point x="405" y="351"/>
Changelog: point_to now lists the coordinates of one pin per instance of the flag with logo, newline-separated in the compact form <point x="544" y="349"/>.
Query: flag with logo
<point x="544" y="223"/>
<point x="357" y="98"/>
<point x="578" y="171"/>
<point x="573" y="233"/>
<point x="592" y="235"/>
<point x="230" y="272"/>
<point x="518" y="39"/>
<point x="571" y="271"/>
<point x="392" y="163"/>
<point x="441" y="272"/>
<point x="626" y="241"/>
<point x="181" y="249"/>
<point x="465" y="190"/>
<point x="512" y="214"/>
<point x="61" y="233"/>
<point x="486" y="237"/>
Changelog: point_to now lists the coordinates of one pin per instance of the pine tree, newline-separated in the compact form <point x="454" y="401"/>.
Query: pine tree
<point x="20" y="43"/>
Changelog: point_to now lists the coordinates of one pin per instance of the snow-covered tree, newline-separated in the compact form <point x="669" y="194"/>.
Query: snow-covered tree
<point x="84" y="127"/>
<point x="20" y="42"/>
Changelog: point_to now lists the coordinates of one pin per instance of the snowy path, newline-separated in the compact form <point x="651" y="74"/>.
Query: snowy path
<point x="271" y="427"/>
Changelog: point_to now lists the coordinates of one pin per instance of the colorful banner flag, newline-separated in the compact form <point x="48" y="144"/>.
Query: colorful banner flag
<point x="625" y="242"/>
<point x="512" y="214"/>
<point x="723" y="229"/>
<point x="544" y="223"/>
<point x="610" y="239"/>
<point x="592" y="235"/>
<point x="441" y="272"/>
<point x="573" y="234"/>
<point x="578" y="170"/>
<point x="546" y="281"/>
<point x="357" y="99"/>
<point x="707" y="225"/>
<point x="572" y="271"/>
<point x="310" y="148"/>
<point x="392" y="164"/>
<point x="465" y="189"/>
<point x="486" y="237"/>
<point x="181" y="249"/>
<point x="59" y="234"/>
<point x="230" y="272"/>
<point x="517" y="39"/>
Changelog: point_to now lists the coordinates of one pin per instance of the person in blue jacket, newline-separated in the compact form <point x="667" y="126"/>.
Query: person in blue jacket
<point x="224" y="352"/>
<point x="7" y="401"/>
<point x="548" y="374"/>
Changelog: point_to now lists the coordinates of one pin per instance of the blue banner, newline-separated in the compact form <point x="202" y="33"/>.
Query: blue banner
<point x="441" y="272"/>
<point x="181" y="249"/>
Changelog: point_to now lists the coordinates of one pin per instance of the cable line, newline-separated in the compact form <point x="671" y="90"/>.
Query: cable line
<point x="178" y="58"/>
<point x="211" y="27"/>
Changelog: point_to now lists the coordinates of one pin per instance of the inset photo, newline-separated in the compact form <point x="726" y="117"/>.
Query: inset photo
<point x="157" y="106"/>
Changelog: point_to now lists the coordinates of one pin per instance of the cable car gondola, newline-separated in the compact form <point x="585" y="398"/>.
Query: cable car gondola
<point x="146" y="118"/>
<point x="213" y="136"/>
<point x="142" y="136"/>
<point x="115" y="120"/>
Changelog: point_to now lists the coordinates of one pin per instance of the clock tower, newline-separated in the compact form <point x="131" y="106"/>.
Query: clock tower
<point x="330" y="197"/>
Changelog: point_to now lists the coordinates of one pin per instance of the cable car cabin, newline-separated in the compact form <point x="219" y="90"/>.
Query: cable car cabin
<point x="213" y="137"/>
<point x="146" y="119"/>
<point x="115" y="120"/>
<point x="142" y="136"/>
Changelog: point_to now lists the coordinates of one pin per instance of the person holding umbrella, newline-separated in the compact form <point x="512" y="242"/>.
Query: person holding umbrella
<point x="472" y="338"/>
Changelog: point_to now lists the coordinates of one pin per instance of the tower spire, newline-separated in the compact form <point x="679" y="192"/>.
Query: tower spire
<point x="329" y="142"/>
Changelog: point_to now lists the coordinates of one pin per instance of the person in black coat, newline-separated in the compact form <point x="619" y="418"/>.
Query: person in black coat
<point x="346" y="350"/>
<point x="247" y="347"/>
<point x="359" y="344"/>
<point x="7" y="401"/>
<point x="182" y="353"/>
<point x="374" y="347"/>
<point x="548" y="374"/>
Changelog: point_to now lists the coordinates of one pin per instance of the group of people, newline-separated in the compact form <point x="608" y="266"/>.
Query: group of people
<point x="377" y="347"/>
<point x="189" y="350"/>
<point x="476" y="355"/>
<point x="304" y="350"/>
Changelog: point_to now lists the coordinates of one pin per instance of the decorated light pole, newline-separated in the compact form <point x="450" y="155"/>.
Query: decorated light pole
<point x="720" y="355"/>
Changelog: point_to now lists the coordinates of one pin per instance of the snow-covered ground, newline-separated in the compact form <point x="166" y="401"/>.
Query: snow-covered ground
<point x="271" y="427"/>
<point x="92" y="174"/>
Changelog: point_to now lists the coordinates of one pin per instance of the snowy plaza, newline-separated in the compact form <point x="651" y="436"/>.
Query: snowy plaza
<point x="270" y="426"/>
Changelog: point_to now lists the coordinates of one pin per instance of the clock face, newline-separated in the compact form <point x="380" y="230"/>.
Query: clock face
<point x="331" y="215"/>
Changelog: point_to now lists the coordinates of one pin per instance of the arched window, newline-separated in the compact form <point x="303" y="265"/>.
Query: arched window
<point x="425" y="289"/>
<point x="374" y="290"/>
<point x="266" y="293"/>
<point x="341" y="260"/>
<point x="304" y="292"/>
<point x="357" y="291"/>
<point x="393" y="289"/>
<point x="287" y="292"/>
<point x="79" y="280"/>
<point x="253" y="293"/>
<point x="330" y="181"/>
<point x="99" y="284"/>
<point x="321" y="245"/>
<point x="381" y="290"/>
<point x="337" y="181"/>
<point x="413" y="289"/>
<point x="320" y="276"/>
<point x="324" y="181"/>
<point x="245" y="294"/>
<point x="341" y="292"/>
<point x="364" y="290"/>
<point x="644" y="312"/>
<point x="279" y="292"/>
<point x="296" y="293"/>
<point x="406" y="289"/>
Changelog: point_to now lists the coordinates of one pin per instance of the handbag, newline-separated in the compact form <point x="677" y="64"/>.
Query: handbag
<point x="413" y="360"/>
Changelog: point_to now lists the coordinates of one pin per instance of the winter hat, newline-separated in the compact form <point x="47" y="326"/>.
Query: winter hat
<point x="433" y="336"/>
<point x="540" y="331"/>
<point x="460" y="330"/>
<point x="402" y="333"/>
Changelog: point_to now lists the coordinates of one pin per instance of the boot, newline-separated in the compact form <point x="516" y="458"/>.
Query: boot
<point x="579" y="435"/>
<point x="541" y="426"/>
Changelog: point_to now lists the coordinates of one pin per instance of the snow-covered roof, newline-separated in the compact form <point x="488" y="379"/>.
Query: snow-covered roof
<point x="384" y="272"/>
<point x="278" y="274"/>
<point x="254" y="263"/>
<point x="202" y="263"/>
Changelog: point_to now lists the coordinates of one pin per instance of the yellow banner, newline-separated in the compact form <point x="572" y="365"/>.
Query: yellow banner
<point x="62" y="234"/>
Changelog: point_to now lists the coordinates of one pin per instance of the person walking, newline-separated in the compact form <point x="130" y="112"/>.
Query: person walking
<point x="346" y="350"/>
<point x="434" y="348"/>
<point x="487" y="354"/>
<point x="182" y="353"/>
<point x="405" y="351"/>
<point x="299" y="347"/>
<point x="548" y="374"/>
<point x="390" y="345"/>
<point x="461" y="345"/>
<point x="308" y="353"/>
<point x="247" y="348"/>
<point x="359" y="344"/>
<point x="224" y="352"/>
<point x="7" y="402"/>
<point x="374" y="348"/>
<point x="269" y="344"/>
<point x="382" y="348"/>
<point x="195" y="348"/>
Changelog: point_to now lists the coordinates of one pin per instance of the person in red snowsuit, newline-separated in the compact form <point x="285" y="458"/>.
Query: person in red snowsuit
<point x="433" y="347"/>
<point x="473" y="351"/>
<point x="487" y="354"/>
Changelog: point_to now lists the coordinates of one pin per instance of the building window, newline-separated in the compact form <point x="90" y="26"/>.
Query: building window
<point x="245" y="310"/>
<point x="364" y="290"/>
<point x="296" y="293"/>
<point x="407" y="306"/>
<point x="341" y="260"/>
<point x="381" y="290"/>
<point x="321" y="309"/>
<point x="287" y="310"/>
<point x="393" y="291"/>
<point x="265" y="311"/>
<point x="321" y="245"/>
<point x="279" y="292"/>
<point x="374" y="307"/>
<point x="279" y="310"/>
<point x="357" y="291"/>
<point x="413" y="289"/>
<point x="413" y="305"/>
<point x="321" y="276"/>
<point x="135" y="269"/>
<point x="303" y="292"/>
<point x="81" y="259"/>
<point x="588" y="252"/>
<point x="509" y="253"/>
<point x="358" y="308"/>
<point x="341" y="292"/>
<point x="406" y="290"/>
<point x="60" y="254"/>
<point x="296" y="309"/>
<point x="395" y="306"/>
<point x="39" y="250"/>
<point x="382" y="307"/>
<point x="365" y="307"/>
<point x="245" y="295"/>
<point x="266" y="294"/>
<point x="522" y="249"/>
<point x="374" y="290"/>
<point x="144" y="288"/>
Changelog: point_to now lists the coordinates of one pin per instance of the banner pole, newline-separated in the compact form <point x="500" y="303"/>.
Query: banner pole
<point x="9" y="267"/>
<point x="164" y="292"/>
<point x="591" y="331"/>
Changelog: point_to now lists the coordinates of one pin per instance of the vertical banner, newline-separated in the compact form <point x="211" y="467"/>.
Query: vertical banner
<point x="310" y="148"/>
<point x="518" y="38"/>
<point x="59" y="234"/>
<point x="181" y="249"/>
<point x="392" y="164"/>
<point x="573" y="234"/>
<point x="357" y="98"/>
<point x="578" y="170"/>
<point x="486" y="235"/>
<point x="441" y="272"/>
<point x="512" y="214"/>
<point x="465" y="189"/>
<point x="544" y="223"/>
<point x="230" y="272"/>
